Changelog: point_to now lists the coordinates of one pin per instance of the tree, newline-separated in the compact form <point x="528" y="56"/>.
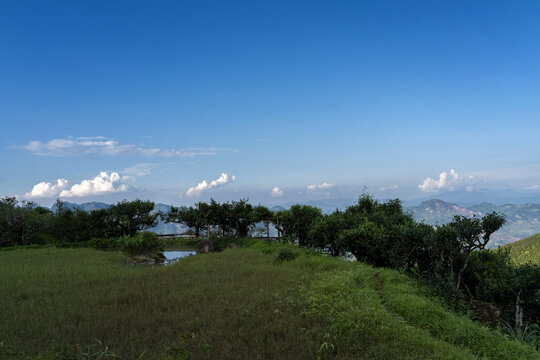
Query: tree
<point x="133" y="216"/>
<point x="326" y="233"/>
<point x="454" y="242"/>
<point x="22" y="224"/>
<point x="298" y="220"/>
<point x="241" y="217"/>
<point x="262" y="213"/>
<point x="186" y="215"/>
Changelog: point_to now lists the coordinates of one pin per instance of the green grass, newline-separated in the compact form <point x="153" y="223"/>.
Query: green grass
<point x="525" y="250"/>
<point x="239" y="304"/>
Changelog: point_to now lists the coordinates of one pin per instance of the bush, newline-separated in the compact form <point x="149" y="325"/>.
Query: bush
<point x="286" y="254"/>
<point x="143" y="243"/>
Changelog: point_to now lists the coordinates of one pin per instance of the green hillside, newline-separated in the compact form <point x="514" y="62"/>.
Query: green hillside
<point x="243" y="303"/>
<point x="526" y="250"/>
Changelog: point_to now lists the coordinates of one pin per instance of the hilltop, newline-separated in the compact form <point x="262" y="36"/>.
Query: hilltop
<point x="526" y="250"/>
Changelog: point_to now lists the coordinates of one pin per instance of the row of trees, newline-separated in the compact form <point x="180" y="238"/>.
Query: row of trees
<point x="27" y="223"/>
<point x="231" y="218"/>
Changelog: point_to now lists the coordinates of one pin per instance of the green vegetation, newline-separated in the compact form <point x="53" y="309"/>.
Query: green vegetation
<point x="344" y="309"/>
<point x="240" y="303"/>
<point x="526" y="250"/>
<point x="145" y="242"/>
<point x="26" y="223"/>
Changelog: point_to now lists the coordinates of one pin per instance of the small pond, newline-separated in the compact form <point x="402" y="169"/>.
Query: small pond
<point x="172" y="256"/>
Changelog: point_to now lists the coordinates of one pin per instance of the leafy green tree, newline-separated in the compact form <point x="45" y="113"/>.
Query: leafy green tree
<point x="241" y="217"/>
<point x="297" y="222"/>
<point x="133" y="216"/>
<point x="454" y="242"/>
<point x="326" y="231"/>
<point x="22" y="224"/>
<point x="373" y="231"/>
<point x="186" y="215"/>
<point x="263" y="214"/>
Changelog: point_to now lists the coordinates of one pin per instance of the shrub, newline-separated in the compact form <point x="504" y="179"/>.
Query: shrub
<point x="143" y="243"/>
<point x="286" y="254"/>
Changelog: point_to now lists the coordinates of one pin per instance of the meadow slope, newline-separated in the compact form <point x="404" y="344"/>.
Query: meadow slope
<point x="525" y="250"/>
<point x="241" y="303"/>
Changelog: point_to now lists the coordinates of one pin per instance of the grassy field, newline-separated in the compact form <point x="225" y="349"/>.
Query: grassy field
<point x="526" y="250"/>
<point x="239" y="304"/>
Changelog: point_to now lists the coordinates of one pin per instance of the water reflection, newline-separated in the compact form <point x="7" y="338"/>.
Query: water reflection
<point x="172" y="256"/>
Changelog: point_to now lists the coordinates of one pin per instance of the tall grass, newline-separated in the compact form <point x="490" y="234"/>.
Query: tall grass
<point x="239" y="304"/>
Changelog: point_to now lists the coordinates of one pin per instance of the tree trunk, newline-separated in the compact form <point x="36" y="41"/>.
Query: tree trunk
<point x="208" y="231"/>
<point x="460" y="273"/>
<point x="519" y="312"/>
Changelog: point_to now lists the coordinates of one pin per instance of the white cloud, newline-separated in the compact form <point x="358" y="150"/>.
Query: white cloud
<point x="321" y="186"/>
<point x="532" y="187"/>
<point x="224" y="179"/>
<point x="47" y="189"/>
<point x="276" y="192"/>
<point x="100" y="145"/>
<point x="104" y="183"/>
<point x="390" y="187"/>
<point x="448" y="181"/>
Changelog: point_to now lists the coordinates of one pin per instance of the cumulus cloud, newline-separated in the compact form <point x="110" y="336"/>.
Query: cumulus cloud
<point x="390" y="187"/>
<point x="46" y="189"/>
<point x="100" y="145"/>
<point x="276" y="192"/>
<point x="448" y="181"/>
<point x="104" y="183"/>
<point x="321" y="186"/>
<point x="224" y="179"/>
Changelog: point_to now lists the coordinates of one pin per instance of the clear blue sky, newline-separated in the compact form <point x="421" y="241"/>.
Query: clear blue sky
<point x="287" y="94"/>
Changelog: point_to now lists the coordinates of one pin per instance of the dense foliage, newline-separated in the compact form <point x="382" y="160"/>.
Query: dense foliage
<point x="26" y="223"/>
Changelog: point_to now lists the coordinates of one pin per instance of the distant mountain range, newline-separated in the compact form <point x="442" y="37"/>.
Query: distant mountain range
<point x="522" y="220"/>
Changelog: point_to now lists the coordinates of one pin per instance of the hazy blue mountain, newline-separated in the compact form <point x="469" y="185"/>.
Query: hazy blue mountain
<point x="87" y="206"/>
<point x="521" y="220"/>
<point x="471" y="198"/>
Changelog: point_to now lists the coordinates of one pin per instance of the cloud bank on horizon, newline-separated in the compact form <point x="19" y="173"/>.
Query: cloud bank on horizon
<point x="321" y="186"/>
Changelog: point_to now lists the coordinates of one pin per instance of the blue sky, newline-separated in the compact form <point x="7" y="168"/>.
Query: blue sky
<point x="158" y="97"/>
